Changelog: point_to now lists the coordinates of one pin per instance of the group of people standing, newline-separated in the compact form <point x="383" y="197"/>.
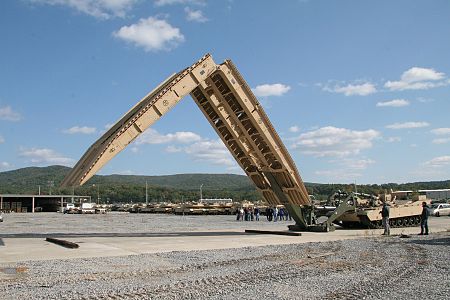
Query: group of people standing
<point x="272" y="214"/>
<point x="423" y="219"/>
<point x="277" y="214"/>
<point x="247" y="214"/>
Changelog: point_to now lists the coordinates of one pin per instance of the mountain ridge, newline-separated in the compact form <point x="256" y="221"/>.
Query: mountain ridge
<point x="117" y="187"/>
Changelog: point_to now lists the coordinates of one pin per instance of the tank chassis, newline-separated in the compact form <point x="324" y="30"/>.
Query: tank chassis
<point x="367" y="212"/>
<point x="233" y="111"/>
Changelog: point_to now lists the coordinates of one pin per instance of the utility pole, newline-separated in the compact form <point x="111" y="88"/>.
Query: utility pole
<point x="146" y="194"/>
<point x="201" y="196"/>
<point x="50" y="185"/>
<point x="98" y="192"/>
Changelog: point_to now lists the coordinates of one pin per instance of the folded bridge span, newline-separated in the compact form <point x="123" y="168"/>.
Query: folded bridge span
<point x="233" y="111"/>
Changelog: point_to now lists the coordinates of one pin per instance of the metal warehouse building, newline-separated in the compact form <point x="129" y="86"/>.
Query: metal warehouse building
<point x="33" y="203"/>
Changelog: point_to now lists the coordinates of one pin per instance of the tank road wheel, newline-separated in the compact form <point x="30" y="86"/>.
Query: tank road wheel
<point x="410" y="221"/>
<point x="373" y="225"/>
<point x="394" y="223"/>
<point x="377" y="224"/>
<point x="397" y="222"/>
<point x="416" y="220"/>
<point x="405" y="221"/>
<point x="391" y="222"/>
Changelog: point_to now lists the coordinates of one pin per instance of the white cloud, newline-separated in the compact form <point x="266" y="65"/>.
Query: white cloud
<point x="44" y="156"/>
<point x="347" y="169"/>
<point x="441" y="131"/>
<point x="82" y="130"/>
<point x="211" y="151"/>
<point x="363" y="89"/>
<point x="195" y="15"/>
<point x="4" y="165"/>
<point x="152" y="34"/>
<point x="124" y="172"/>
<point x="173" y="149"/>
<point x="266" y="90"/>
<point x="418" y="79"/>
<point x="101" y="9"/>
<point x="438" y="162"/>
<point x="199" y="149"/>
<point x="294" y="129"/>
<point x="171" y="2"/>
<point x="416" y="74"/>
<point x="340" y="174"/>
<point x="151" y="136"/>
<point x="357" y="164"/>
<point x="408" y="125"/>
<point x="441" y="141"/>
<point x="332" y="141"/>
<point x="425" y="100"/>
<point x="7" y="114"/>
<point x="394" y="139"/>
<point x="393" y="103"/>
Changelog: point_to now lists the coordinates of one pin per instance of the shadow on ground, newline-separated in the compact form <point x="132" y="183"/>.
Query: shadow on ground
<point x="112" y="234"/>
<point x="445" y="241"/>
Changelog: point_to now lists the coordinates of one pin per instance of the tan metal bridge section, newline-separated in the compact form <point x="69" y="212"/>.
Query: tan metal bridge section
<point x="232" y="110"/>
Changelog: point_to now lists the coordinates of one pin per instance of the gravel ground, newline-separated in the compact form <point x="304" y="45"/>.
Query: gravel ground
<point x="369" y="268"/>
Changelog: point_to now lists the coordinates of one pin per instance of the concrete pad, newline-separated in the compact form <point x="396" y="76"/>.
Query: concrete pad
<point x="16" y="248"/>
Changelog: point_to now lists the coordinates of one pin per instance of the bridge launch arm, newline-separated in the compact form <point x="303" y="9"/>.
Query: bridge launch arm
<point x="146" y="112"/>
<point x="236" y="115"/>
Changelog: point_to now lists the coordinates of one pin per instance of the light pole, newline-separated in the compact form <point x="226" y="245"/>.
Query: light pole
<point x="201" y="196"/>
<point x="51" y="183"/>
<point x="98" y="192"/>
<point x="146" y="194"/>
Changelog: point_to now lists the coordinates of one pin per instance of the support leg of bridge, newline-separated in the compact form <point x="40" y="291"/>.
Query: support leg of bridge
<point x="32" y="205"/>
<point x="305" y="219"/>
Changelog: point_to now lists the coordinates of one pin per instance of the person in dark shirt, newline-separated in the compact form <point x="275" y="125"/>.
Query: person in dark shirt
<point x="424" y="220"/>
<point x="256" y="213"/>
<point x="385" y="215"/>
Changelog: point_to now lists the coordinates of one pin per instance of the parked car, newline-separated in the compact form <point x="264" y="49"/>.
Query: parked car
<point x="1" y="217"/>
<point x="88" y="208"/>
<point x="70" y="209"/>
<point x="440" y="209"/>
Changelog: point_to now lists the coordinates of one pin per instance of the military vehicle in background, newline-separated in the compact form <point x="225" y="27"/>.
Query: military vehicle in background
<point x="367" y="210"/>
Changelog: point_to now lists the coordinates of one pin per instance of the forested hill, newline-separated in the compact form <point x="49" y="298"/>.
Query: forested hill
<point x="169" y="187"/>
<point x="129" y="187"/>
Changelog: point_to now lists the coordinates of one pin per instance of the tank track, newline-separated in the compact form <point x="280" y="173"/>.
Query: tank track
<point x="408" y="221"/>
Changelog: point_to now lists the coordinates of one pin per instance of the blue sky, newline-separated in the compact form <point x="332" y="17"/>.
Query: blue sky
<point x="358" y="90"/>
